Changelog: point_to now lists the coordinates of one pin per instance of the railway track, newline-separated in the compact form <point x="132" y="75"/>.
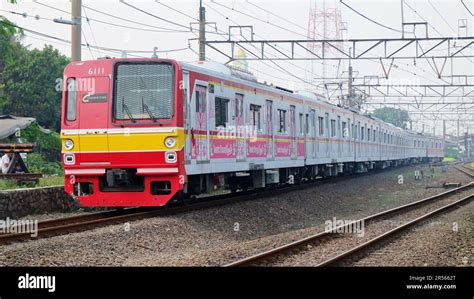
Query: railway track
<point x="464" y="168"/>
<point x="441" y="202"/>
<point x="60" y="226"/>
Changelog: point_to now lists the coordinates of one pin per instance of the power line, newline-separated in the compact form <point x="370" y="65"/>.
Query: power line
<point x="68" y="44"/>
<point x="95" y="47"/>
<point x="467" y="8"/>
<point x="440" y="34"/>
<point x="372" y="60"/>
<point x="92" y="32"/>
<point x="153" y="15"/>
<point x="258" y="19"/>
<point x="371" y="20"/>
<point x="281" y="69"/>
<point x="437" y="11"/>
<point x="416" y="12"/>
<point x="26" y="15"/>
<point x="178" y="11"/>
<point x="276" y="15"/>
<point x="160" y="29"/>
<point x="87" y="43"/>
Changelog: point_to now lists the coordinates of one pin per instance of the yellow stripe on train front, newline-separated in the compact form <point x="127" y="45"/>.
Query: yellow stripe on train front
<point x="124" y="142"/>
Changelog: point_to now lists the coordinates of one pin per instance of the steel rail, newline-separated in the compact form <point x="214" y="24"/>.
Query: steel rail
<point x="466" y="170"/>
<point x="355" y="250"/>
<point x="54" y="227"/>
<point x="310" y="239"/>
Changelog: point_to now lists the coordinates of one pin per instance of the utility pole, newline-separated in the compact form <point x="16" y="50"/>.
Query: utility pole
<point x="403" y="20"/>
<point x="444" y="129"/>
<point x="202" y="32"/>
<point x="351" y="91"/>
<point x="76" y="43"/>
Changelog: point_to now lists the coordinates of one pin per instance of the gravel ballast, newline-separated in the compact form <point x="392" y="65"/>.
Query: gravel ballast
<point x="219" y="235"/>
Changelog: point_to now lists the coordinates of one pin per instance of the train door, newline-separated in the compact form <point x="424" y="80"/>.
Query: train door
<point x="347" y="137"/>
<point x="240" y="127"/>
<point x="269" y="128"/>
<point x="319" y="133"/>
<point x="187" y="116"/>
<point x="293" y="136"/>
<point x="339" y="136"/>
<point x="327" y="135"/>
<point x="313" y="132"/>
<point x="93" y="121"/>
<point x="201" y="124"/>
<point x="359" y="139"/>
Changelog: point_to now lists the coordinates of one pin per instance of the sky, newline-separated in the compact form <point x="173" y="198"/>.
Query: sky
<point x="282" y="19"/>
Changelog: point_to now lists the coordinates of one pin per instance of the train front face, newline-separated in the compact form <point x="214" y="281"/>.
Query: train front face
<point x="122" y="135"/>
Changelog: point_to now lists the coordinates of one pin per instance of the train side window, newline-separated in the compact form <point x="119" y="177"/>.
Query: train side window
<point x="71" y="95"/>
<point x="333" y="127"/>
<point x="282" y="123"/>
<point x="221" y="110"/>
<point x="321" y="125"/>
<point x="200" y="98"/>
<point x="301" y="123"/>
<point x="307" y="123"/>
<point x="326" y="123"/>
<point x="313" y="122"/>
<point x="255" y="112"/>
<point x="344" y="130"/>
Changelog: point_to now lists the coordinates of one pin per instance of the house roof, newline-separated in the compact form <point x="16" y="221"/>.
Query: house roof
<point x="9" y="124"/>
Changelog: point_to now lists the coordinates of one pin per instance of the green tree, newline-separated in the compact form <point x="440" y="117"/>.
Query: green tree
<point x="30" y="85"/>
<point x="9" y="47"/>
<point x="397" y="117"/>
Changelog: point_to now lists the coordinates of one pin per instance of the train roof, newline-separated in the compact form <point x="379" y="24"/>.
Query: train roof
<point x="249" y="78"/>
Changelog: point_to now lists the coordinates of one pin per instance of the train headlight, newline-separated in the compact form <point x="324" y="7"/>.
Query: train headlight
<point x="170" y="142"/>
<point x="69" y="144"/>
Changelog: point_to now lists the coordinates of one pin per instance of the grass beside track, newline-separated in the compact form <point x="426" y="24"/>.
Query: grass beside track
<point x="43" y="182"/>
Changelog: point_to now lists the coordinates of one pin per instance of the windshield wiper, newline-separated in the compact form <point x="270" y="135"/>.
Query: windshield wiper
<point x="152" y="116"/>
<point x="125" y="108"/>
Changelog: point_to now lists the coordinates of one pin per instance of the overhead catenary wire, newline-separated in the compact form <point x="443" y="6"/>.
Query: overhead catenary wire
<point x="92" y="33"/>
<point x="276" y="15"/>
<point x="442" y="17"/>
<point x="280" y="69"/>
<point x="153" y="15"/>
<point x="176" y="10"/>
<point x="257" y="18"/>
<point x="155" y="28"/>
<point x="467" y="8"/>
<point x="48" y="41"/>
<point x="431" y="26"/>
<point x="369" y="19"/>
<point x="95" y="47"/>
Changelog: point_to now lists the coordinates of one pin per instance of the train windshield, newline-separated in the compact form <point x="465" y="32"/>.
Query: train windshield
<point x="143" y="91"/>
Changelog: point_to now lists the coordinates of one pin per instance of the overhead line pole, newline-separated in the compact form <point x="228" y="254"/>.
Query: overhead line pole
<point x="202" y="32"/>
<point x="76" y="16"/>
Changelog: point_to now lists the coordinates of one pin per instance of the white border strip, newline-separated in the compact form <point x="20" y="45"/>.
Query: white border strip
<point x="157" y="170"/>
<point x="124" y="131"/>
<point x="85" y="171"/>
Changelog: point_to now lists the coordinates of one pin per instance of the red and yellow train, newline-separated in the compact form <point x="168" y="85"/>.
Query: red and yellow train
<point x="140" y="132"/>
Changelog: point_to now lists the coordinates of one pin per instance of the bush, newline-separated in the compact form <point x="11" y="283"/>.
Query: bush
<point x="37" y="163"/>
